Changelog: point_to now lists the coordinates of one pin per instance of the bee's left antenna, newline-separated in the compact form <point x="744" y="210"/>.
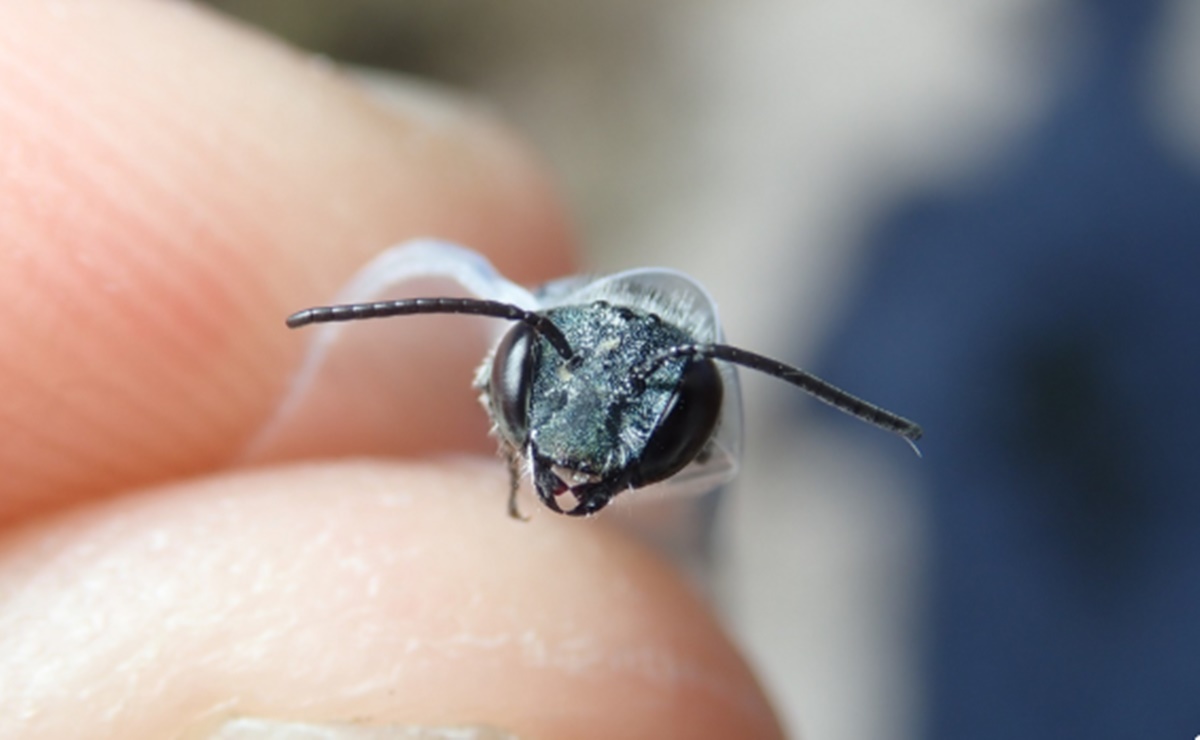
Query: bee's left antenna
<point x="821" y="390"/>
<point x="411" y="306"/>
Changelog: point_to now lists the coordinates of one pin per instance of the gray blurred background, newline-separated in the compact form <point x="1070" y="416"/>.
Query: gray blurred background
<point x="984" y="215"/>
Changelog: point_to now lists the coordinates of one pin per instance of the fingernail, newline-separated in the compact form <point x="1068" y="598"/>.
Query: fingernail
<point x="265" y="729"/>
<point x="412" y="97"/>
<point x="435" y="108"/>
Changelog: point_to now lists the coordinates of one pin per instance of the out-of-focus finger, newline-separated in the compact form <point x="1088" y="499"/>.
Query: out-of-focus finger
<point x="174" y="187"/>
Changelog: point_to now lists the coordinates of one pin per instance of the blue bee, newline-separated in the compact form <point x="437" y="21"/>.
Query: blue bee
<point x="602" y="385"/>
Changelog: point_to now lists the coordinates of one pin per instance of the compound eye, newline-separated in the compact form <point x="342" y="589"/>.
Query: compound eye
<point x="685" y="427"/>
<point x="512" y="376"/>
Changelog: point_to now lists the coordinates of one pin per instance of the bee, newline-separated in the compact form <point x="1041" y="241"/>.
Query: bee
<point x="601" y="385"/>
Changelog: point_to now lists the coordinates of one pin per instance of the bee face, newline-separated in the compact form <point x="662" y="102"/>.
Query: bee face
<point x="604" y="420"/>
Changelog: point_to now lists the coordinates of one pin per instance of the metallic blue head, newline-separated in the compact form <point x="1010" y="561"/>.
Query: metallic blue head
<point x="608" y="418"/>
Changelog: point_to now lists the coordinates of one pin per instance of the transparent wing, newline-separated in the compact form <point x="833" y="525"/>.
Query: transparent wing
<point x="376" y="356"/>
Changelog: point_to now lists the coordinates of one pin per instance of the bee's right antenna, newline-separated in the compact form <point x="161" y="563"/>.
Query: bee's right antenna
<point x="807" y="382"/>
<point x="409" y="306"/>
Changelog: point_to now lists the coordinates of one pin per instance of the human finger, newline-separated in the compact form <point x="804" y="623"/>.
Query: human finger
<point x="354" y="595"/>
<point x="175" y="186"/>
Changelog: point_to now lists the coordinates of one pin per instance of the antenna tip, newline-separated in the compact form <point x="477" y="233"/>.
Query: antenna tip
<point x="912" y="434"/>
<point x="300" y="318"/>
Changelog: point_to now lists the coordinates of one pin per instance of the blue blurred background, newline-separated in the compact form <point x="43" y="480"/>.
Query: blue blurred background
<point x="1050" y="319"/>
<point x="985" y="216"/>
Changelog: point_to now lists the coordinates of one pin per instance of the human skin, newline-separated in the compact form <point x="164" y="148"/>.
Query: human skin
<point x="173" y="186"/>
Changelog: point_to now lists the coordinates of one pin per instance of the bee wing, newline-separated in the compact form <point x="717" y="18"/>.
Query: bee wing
<point x="395" y="272"/>
<point x="679" y="300"/>
<point x="375" y="356"/>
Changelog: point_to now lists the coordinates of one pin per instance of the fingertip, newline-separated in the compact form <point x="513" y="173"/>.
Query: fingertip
<point x="385" y="594"/>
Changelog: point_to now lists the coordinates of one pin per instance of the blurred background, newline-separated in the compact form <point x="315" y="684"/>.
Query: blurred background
<point x="984" y="215"/>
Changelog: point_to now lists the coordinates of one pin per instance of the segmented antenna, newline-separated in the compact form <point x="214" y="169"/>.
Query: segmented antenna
<point x="410" y="306"/>
<point x="805" y="381"/>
